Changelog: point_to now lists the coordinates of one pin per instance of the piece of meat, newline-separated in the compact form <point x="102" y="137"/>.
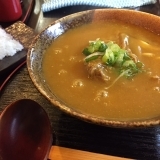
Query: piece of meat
<point x="155" y="78"/>
<point x="97" y="70"/>
<point x="133" y="56"/>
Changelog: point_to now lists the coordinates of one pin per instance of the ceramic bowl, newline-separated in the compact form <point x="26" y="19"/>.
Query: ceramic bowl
<point x="59" y="27"/>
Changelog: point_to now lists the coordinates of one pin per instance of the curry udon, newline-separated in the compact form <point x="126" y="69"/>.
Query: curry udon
<point x="134" y="98"/>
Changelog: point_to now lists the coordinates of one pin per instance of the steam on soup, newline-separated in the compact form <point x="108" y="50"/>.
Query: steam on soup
<point x="112" y="92"/>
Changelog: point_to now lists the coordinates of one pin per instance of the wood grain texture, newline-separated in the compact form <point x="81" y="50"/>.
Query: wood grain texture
<point x="69" y="132"/>
<point x="62" y="153"/>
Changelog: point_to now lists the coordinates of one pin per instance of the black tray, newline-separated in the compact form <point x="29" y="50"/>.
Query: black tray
<point x="141" y="143"/>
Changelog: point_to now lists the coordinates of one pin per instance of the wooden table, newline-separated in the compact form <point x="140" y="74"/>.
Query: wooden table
<point x="74" y="139"/>
<point x="62" y="153"/>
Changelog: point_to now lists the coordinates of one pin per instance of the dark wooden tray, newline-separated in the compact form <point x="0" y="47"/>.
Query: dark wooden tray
<point x="141" y="143"/>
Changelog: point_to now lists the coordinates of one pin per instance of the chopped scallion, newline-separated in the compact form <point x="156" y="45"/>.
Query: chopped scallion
<point x="112" y="55"/>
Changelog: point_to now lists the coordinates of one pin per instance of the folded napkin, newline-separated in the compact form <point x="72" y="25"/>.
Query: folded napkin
<point x="49" y="5"/>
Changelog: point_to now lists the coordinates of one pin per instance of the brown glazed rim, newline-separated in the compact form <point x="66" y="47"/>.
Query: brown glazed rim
<point x="145" y="20"/>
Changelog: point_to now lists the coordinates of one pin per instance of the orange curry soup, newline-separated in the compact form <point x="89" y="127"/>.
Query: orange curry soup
<point x="127" y="99"/>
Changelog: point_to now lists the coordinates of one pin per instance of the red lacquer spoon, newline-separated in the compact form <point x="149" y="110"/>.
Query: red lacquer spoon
<point x="25" y="132"/>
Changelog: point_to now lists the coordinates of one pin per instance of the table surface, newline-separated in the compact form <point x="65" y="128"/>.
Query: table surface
<point x="140" y="143"/>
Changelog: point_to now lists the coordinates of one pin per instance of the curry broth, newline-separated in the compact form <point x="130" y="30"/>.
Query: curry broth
<point x="66" y="75"/>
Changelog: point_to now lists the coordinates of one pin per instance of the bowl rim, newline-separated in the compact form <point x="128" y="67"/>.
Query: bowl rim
<point x="70" y="111"/>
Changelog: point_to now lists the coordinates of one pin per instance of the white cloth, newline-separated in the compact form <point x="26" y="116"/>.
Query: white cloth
<point x="49" y="5"/>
